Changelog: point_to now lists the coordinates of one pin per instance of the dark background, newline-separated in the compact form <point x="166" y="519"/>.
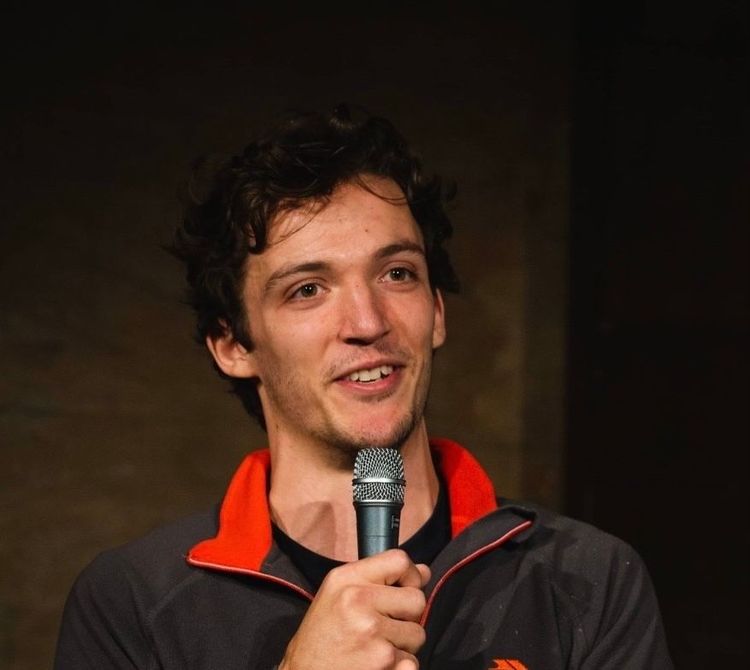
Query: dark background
<point x="597" y="356"/>
<point x="658" y="373"/>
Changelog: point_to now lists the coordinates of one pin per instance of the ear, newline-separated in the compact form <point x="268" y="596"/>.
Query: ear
<point x="230" y="355"/>
<point x="438" y="326"/>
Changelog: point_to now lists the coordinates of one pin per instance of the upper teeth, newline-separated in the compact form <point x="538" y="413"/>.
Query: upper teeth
<point x="371" y="374"/>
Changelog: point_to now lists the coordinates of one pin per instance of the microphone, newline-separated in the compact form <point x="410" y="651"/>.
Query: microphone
<point x="378" y="492"/>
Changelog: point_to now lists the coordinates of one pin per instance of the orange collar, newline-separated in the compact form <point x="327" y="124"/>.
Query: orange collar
<point x="244" y="537"/>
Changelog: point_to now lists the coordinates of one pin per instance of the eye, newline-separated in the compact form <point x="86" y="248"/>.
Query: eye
<point x="306" y="291"/>
<point x="399" y="274"/>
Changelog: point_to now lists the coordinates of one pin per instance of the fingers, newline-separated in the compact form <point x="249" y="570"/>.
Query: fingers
<point x="365" y="614"/>
<point x="406" y="636"/>
<point x="392" y="567"/>
<point x="399" y="594"/>
<point x="387" y="657"/>
<point x="404" y="603"/>
<point x="408" y="662"/>
<point x="424" y="573"/>
<point x="416" y="576"/>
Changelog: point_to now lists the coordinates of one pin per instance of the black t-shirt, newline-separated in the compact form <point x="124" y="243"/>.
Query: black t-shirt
<point x="422" y="547"/>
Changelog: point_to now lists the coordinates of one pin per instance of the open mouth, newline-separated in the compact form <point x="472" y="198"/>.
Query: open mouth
<point x="371" y="374"/>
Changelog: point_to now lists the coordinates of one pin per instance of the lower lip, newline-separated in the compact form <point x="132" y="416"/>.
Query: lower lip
<point x="382" y="385"/>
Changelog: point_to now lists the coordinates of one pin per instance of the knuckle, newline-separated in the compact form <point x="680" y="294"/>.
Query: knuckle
<point x="401" y="559"/>
<point x="384" y="655"/>
<point x="413" y="637"/>
<point x="416" y="600"/>
<point x="337" y="577"/>
<point x="354" y="596"/>
<point x="367" y="627"/>
<point x="420" y="636"/>
<point x="420" y="600"/>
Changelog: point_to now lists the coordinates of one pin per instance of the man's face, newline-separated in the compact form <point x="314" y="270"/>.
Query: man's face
<point x="343" y="322"/>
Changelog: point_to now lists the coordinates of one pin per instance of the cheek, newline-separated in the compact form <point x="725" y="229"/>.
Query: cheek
<point x="292" y="345"/>
<point x="307" y="334"/>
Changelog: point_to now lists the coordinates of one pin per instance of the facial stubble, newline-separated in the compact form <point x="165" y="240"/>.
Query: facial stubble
<point x="342" y="445"/>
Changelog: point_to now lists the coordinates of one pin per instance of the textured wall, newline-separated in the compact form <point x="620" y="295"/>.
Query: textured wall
<point x="112" y="420"/>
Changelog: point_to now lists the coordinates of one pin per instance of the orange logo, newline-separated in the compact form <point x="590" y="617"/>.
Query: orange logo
<point x="507" y="664"/>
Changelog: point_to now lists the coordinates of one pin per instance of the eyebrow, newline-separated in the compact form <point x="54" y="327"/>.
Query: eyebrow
<point x="288" y="271"/>
<point x="399" y="247"/>
<point x="318" y="266"/>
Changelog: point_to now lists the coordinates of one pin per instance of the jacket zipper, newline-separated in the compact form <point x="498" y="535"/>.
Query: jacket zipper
<point x="423" y="621"/>
<point x="468" y="559"/>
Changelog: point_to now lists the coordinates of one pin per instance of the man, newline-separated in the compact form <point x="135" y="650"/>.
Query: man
<point x="316" y="268"/>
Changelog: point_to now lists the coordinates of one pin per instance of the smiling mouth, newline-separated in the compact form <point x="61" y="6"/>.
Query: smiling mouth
<point x="371" y="374"/>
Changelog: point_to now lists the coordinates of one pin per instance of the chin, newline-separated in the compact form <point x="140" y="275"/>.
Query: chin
<point x="391" y="436"/>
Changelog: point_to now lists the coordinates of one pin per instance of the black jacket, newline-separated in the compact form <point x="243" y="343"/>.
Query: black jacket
<point x="515" y="588"/>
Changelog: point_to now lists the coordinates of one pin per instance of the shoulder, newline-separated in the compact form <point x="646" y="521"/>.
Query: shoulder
<point x="601" y="582"/>
<point x="108" y="614"/>
<point x="572" y="546"/>
<point x="151" y="566"/>
<point x="587" y="568"/>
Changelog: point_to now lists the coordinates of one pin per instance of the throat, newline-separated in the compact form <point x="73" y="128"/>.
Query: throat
<point x="324" y="524"/>
<point x="422" y="547"/>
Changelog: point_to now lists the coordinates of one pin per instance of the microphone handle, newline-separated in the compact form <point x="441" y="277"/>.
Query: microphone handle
<point x="377" y="526"/>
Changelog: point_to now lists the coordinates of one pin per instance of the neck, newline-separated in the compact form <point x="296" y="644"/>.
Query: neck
<point x="311" y="497"/>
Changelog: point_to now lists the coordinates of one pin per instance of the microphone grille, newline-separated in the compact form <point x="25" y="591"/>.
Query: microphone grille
<point x="378" y="475"/>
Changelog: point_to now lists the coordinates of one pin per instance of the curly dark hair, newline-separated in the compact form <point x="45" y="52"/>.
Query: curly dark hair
<point x="229" y="208"/>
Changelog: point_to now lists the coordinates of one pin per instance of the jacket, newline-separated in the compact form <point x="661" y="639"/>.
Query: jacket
<point x="515" y="588"/>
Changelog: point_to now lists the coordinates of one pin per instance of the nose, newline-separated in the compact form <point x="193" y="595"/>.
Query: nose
<point x="363" y="315"/>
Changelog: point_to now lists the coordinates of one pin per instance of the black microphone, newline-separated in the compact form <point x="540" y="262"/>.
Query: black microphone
<point x="378" y="491"/>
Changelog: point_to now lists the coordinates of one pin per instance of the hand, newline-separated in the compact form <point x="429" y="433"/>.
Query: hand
<point x="364" y="616"/>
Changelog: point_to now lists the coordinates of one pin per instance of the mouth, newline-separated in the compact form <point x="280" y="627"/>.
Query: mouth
<point x="369" y="375"/>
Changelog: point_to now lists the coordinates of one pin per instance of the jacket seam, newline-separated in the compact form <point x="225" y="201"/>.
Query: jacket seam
<point x="575" y="615"/>
<point x="459" y="565"/>
<point x="151" y="611"/>
<point x="262" y="576"/>
<point x="162" y="602"/>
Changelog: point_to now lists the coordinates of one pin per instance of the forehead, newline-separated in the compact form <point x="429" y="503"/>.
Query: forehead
<point x="355" y="222"/>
